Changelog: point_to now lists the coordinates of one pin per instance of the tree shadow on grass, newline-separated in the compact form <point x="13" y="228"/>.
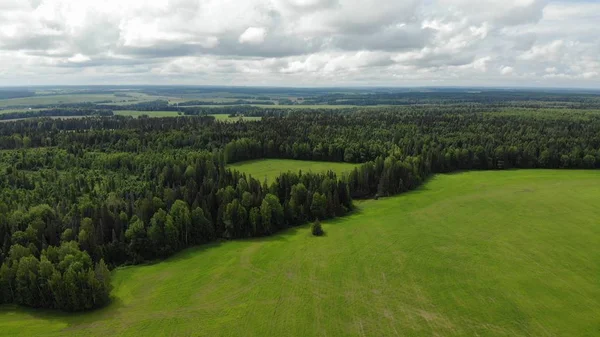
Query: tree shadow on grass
<point x="71" y="319"/>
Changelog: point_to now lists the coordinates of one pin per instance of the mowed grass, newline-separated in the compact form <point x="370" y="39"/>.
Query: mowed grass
<point x="513" y="253"/>
<point x="270" y="169"/>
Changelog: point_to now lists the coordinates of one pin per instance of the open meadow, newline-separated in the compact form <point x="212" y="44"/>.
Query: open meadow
<point x="504" y="253"/>
<point x="219" y="117"/>
<point x="134" y="113"/>
<point x="226" y="118"/>
<point x="76" y="98"/>
<point x="270" y="169"/>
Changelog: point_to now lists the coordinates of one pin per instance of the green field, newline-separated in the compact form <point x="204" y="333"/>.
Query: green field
<point x="512" y="253"/>
<point x="68" y="98"/>
<point x="271" y="168"/>
<point x="303" y="106"/>
<point x="223" y="118"/>
<point x="5" y="111"/>
<point x="147" y="113"/>
<point x="57" y="99"/>
<point x="226" y="118"/>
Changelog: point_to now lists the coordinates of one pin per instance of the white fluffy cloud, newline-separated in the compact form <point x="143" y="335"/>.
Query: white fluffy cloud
<point x="253" y="35"/>
<point x="301" y="42"/>
<point x="507" y="70"/>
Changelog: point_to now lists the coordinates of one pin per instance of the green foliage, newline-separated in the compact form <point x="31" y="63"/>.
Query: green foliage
<point x="157" y="235"/>
<point x="316" y="228"/>
<point x="137" y="238"/>
<point x="235" y="219"/>
<point x="271" y="214"/>
<point x="202" y="226"/>
<point x="67" y="235"/>
<point x="318" y="205"/>
<point x="182" y="221"/>
<point x="62" y="278"/>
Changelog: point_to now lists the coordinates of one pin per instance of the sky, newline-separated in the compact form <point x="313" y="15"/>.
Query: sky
<point x="541" y="43"/>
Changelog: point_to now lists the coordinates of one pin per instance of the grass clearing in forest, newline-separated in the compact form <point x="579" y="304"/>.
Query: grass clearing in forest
<point x="226" y="118"/>
<point x="495" y="253"/>
<point x="135" y="113"/>
<point x="219" y="117"/>
<point x="270" y="169"/>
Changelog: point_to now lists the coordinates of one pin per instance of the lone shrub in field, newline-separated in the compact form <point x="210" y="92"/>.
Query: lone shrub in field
<point x="316" y="228"/>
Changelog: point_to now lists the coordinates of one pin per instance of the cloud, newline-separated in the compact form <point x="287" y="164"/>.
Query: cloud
<point x="78" y="58"/>
<point x="497" y="12"/>
<point x="507" y="70"/>
<point x="300" y="42"/>
<point x="253" y="35"/>
<point x="550" y="51"/>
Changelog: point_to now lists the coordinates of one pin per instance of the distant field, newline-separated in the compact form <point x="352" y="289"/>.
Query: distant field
<point x="512" y="253"/>
<point x="306" y="106"/>
<point x="221" y="117"/>
<point x="118" y="99"/>
<point x="51" y="117"/>
<point x="272" y="168"/>
<point x="135" y="113"/>
<point x="133" y="97"/>
<point x="148" y="113"/>
<point x="57" y="99"/>
<point x="285" y="106"/>
<point x="5" y="111"/>
<point x="226" y="118"/>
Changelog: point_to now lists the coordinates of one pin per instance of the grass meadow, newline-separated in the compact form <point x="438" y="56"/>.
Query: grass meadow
<point x="270" y="169"/>
<point x="68" y="98"/>
<point x="226" y="118"/>
<point x="219" y="117"/>
<point x="511" y="253"/>
<point x="135" y="113"/>
<point x="57" y="99"/>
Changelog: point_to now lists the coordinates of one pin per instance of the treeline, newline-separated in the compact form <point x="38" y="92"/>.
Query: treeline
<point x="118" y="133"/>
<point x="448" y="141"/>
<point x="61" y="277"/>
<point x="125" y="190"/>
<point x="503" y="98"/>
<point x="129" y="208"/>
<point x="55" y="113"/>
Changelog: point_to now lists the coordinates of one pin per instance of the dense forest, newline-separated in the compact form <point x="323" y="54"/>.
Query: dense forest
<point x="57" y="112"/>
<point x="490" y="98"/>
<point x="80" y="196"/>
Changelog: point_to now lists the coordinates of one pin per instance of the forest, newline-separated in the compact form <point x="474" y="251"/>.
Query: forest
<point x="80" y="196"/>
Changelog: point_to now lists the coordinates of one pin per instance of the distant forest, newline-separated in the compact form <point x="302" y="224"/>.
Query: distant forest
<point x="284" y="97"/>
<point x="79" y="196"/>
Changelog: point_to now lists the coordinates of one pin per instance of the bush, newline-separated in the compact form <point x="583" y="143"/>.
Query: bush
<point x="316" y="228"/>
